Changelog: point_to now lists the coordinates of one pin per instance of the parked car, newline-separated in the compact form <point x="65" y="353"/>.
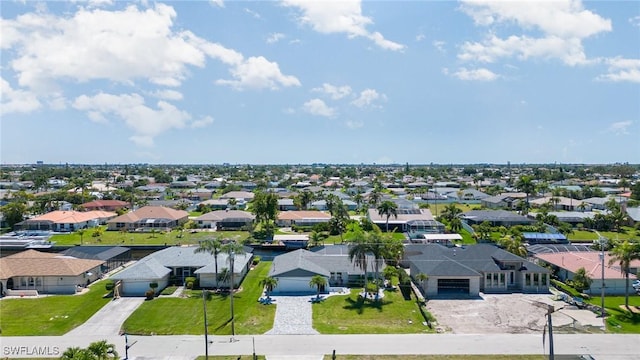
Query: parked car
<point x="636" y="284"/>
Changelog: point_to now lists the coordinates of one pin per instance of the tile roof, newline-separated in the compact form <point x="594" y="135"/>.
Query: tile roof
<point x="150" y="212"/>
<point x="302" y="214"/>
<point x="36" y="263"/>
<point x="73" y="217"/>
<point x="589" y="260"/>
<point x="219" y="215"/>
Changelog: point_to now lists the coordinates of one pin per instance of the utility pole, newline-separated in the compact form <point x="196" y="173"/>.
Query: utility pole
<point x="603" y="243"/>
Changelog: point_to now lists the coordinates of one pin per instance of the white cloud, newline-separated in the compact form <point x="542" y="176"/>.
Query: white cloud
<point x="16" y="100"/>
<point x="481" y="74"/>
<point x="620" y="127"/>
<point x="319" y="108"/>
<point x="354" y="124"/>
<point x="621" y="69"/>
<point x="122" y="46"/>
<point x="635" y="21"/>
<point x="274" y="38"/>
<point x="258" y="73"/>
<point x="252" y="13"/>
<point x="439" y="45"/>
<point x="562" y="26"/>
<point x="335" y="92"/>
<point x="167" y="94"/>
<point x="420" y="37"/>
<point x="368" y="97"/>
<point x="218" y="3"/>
<point x="204" y="122"/>
<point x="343" y="16"/>
<point x="146" y="122"/>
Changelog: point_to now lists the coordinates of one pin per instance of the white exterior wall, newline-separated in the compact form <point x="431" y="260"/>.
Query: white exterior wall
<point x="611" y="287"/>
<point x="55" y="284"/>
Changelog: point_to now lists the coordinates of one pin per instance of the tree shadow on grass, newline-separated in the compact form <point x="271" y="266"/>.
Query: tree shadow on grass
<point x="227" y="322"/>
<point x="360" y="304"/>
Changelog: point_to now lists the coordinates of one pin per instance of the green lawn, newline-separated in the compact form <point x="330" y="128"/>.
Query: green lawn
<point x="186" y="313"/>
<point x="50" y="315"/>
<point x="130" y="238"/>
<point x="589" y="236"/>
<point x="619" y="320"/>
<point x="341" y="314"/>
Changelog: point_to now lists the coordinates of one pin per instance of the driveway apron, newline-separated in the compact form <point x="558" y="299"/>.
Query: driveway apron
<point x="293" y="316"/>
<point x="109" y="319"/>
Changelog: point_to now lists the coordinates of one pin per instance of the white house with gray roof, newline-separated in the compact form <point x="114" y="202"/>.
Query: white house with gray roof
<point x="174" y="264"/>
<point x="295" y="269"/>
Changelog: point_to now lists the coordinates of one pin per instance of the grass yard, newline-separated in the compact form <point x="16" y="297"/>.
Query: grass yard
<point x="393" y="314"/>
<point x="186" y="313"/>
<point x="131" y="238"/>
<point x="50" y="315"/>
<point x="619" y="320"/>
<point x="589" y="236"/>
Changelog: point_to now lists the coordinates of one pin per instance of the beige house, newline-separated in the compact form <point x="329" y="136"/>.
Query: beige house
<point x="149" y="218"/>
<point x="48" y="273"/>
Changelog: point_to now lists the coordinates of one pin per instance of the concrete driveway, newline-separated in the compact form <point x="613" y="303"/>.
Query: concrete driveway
<point x="509" y="313"/>
<point x="293" y="316"/>
<point x="109" y="319"/>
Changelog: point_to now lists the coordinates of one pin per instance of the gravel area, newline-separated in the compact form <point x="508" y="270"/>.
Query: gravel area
<point x="508" y="313"/>
<point x="293" y="316"/>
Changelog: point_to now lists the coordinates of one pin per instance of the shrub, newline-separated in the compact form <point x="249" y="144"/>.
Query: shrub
<point x="153" y="285"/>
<point x="256" y="260"/>
<point x="109" y="285"/>
<point x="150" y="294"/>
<point x="190" y="282"/>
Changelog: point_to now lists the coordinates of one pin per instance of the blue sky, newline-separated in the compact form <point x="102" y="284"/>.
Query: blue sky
<point x="286" y="82"/>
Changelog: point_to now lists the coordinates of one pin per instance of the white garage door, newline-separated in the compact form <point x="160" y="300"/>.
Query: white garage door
<point x="139" y="287"/>
<point x="298" y="285"/>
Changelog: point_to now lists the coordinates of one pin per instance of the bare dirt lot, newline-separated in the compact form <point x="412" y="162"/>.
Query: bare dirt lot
<point x="509" y="313"/>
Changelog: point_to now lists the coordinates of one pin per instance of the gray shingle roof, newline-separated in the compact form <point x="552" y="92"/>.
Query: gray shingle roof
<point x="322" y="262"/>
<point x="148" y="268"/>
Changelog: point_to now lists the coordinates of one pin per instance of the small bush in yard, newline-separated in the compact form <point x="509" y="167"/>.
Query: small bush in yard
<point x="190" y="282"/>
<point x="150" y="294"/>
<point x="109" y="285"/>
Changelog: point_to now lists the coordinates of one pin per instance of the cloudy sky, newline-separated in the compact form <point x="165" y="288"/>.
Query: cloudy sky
<point x="293" y="81"/>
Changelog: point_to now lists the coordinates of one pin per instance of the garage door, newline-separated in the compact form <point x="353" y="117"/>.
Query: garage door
<point x="453" y="286"/>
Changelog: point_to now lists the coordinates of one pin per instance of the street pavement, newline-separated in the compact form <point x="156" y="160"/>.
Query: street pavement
<point x="183" y="347"/>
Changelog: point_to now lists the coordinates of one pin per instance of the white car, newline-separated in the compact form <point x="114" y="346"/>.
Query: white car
<point x="636" y="284"/>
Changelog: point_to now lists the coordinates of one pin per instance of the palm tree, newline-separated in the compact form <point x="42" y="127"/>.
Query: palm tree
<point x="81" y="233"/>
<point x="358" y="251"/>
<point x="624" y="253"/>
<point x="374" y="197"/>
<point x="102" y="350"/>
<point x="514" y="245"/>
<point x="388" y="208"/>
<point x="525" y="184"/>
<point x="376" y="247"/>
<point x="232" y="249"/>
<point x="316" y="238"/>
<point x="455" y="224"/>
<point x="75" y="353"/>
<point x="319" y="282"/>
<point x="213" y="247"/>
<point x="450" y="212"/>
<point x="582" y="206"/>
<point x="269" y="283"/>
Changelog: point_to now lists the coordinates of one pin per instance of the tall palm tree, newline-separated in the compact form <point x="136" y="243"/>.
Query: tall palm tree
<point x="81" y="233"/>
<point x="269" y="283"/>
<point x="624" y="253"/>
<point x="526" y="185"/>
<point x="232" y="248"/>
<point x="376" y="246"/>
<point x="319" y="282"/>
<point x="212" y="246"/>
<point x="388" y="208"/>
<point x="358" y="251"/>
<point x="455" y="224"/>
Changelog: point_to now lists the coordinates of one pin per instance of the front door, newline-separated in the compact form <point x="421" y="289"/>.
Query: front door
<point x="511" y="278"/>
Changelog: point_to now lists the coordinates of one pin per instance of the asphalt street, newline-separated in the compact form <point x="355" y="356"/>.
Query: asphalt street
<point x="600" y="346"/>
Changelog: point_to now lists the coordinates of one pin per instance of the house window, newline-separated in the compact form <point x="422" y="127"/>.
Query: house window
<point x="502" y="279"/>
<point x="495" y="279"/>
<point x="544" y="279"/>
<point x="535" y="279"/>
<point x="32" y="281"/>
<point x="527" y="279"/>
<point x="38" y="281"/>
<point x="23" y="282"/>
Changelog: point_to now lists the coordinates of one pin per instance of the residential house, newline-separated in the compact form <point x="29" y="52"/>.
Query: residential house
<point x="149" y="218"/>
<point x="412" y="221"/>
<point x="286" y="204"/>
<point x="225" y="220"/>
<point x="302" y="218"/>
<point x="503" y="201"/>
<point x="174" y="264"/>
<point x="633" y="215"/>
<point x="294" y="269"/>
<point x="567" y="263"/>
<point x="218" y="204"/>
<point x="471" y="269"/>
<point x="239" y="195"/>
<point x="105" y="205"/>
<point x="557" y="203"/>
<point x="495" y="218"/>
<point x="48" y="273"/>
<point x="67" y="221"/>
